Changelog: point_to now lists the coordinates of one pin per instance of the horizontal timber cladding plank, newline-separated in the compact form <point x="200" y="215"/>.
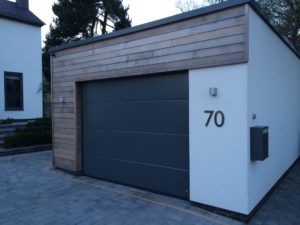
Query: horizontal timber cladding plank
<point x="64" y="125"/>
<point x="63" y="135"/>
<point x="201" y="20"/>
<point x="64" y="115"/>
<point x="163" y="41"/>
<point x="66" y="100"/>
<point x="66" y="147"/>
<point x="65" y="150"/>
<point x="224" y="37"/>
<point x="64" y="140"/>
<point x="63" y="121"/>
<point x="212" y="37"/>
<point x="58" y="124"/>
<point x="64" y="156"/>
<point x="64" y="84"/>
<point x="218" y="60"/>
<point x="63" y="109"/>
<point x="69" y="131"/>
<point x="64" y="94"/>
<point x="63" y="105"/>
<point x="63" y="89"/>
<point x="62" y="153"/>
<point x="65" y="164"/>
<point x="180" y="56"/>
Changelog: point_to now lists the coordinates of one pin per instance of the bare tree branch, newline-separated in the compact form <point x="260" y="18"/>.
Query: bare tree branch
<point x="187" y="5"/>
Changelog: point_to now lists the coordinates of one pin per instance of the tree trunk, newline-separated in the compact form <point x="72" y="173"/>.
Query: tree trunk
<point x="104" y="24"/>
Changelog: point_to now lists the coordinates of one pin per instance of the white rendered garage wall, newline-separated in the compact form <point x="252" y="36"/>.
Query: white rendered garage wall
<point x="218" y="155"/>
<point x="20" y="46"/>
<point x="274" y="96"/>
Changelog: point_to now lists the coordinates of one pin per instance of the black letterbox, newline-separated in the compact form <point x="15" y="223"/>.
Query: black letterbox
<point x="259" y="143"/>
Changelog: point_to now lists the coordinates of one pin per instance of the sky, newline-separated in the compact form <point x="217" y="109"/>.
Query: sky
<point x="141" y="11"/>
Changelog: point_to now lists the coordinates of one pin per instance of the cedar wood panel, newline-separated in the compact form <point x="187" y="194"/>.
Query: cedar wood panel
<point x="219" y="38"/>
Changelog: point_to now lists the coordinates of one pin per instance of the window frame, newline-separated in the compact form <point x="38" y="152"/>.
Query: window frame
<point x="20" y="75"/>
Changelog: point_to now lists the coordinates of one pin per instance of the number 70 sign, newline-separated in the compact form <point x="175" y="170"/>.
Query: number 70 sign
<point x="218" y="116"/>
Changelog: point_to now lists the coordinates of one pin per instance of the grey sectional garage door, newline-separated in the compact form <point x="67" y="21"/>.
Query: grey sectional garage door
<point x="135" y="131"/>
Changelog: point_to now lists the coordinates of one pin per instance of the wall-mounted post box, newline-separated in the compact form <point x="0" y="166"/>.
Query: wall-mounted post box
<point x="259" y="143"/>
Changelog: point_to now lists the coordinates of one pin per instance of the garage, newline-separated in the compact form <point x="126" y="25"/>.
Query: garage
<point x="135" y="132"/>
<point x="202" y="106"/>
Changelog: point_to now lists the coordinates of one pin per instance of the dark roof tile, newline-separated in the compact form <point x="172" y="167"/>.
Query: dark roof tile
<point x="11" y="10"/>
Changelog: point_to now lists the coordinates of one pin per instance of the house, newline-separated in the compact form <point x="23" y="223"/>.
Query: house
<point x="202" y="105"/>
<point x="20" y="61"/>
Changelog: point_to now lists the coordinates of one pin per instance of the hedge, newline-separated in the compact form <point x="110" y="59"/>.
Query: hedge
<point x="35" y="133"/>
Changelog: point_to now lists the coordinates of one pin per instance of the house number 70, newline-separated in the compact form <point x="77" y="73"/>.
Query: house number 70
<point x="219" y="118"/>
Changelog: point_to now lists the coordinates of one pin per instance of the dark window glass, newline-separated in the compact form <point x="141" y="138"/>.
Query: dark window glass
<point x="13" y="83"/>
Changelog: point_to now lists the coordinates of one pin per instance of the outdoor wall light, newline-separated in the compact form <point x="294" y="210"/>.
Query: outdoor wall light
<point x="213" y="92"/>
<point x="61" y="99"/>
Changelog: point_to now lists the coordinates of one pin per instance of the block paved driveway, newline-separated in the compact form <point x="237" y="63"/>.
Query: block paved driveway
<point x="32" y="192"/>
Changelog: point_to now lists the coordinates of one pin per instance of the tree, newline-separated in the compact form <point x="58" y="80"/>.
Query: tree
<point x="285" y="16"/>
<point x="211" y="2"/>
<point x="113" y="15"/>
<point x="187" y="5"/>
<point x="79" y="19"/>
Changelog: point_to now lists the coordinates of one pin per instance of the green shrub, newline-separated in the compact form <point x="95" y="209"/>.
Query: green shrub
<point x="35" y="133"/>
<point x="11" y="120"/>
<point x="7" y="121"/>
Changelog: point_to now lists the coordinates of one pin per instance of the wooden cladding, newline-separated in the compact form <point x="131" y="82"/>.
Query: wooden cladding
<point x="219" y="38"/>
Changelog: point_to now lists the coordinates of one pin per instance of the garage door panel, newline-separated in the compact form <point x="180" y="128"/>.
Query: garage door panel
<point x="168" y="116"/>
<point x="142" y="88"/>
<point x="138" y="147"/>
<point x="136" y="131"/>
<point x="161" y="179"/>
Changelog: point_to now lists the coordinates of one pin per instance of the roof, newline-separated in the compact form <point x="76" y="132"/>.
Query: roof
<point x="12" y="11"/>
<point x="177" y="18"/>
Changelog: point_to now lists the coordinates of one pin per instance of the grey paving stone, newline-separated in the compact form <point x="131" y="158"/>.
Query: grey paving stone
<point x="32" y="192"/>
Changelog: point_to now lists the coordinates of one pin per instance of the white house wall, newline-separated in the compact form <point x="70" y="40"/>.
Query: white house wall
<point x="218" y="155"/>
<point x="20" y="46"/>
<point x="274" y="96"/>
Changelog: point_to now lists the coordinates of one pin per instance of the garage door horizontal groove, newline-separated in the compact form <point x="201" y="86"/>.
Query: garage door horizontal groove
<point x="137" y="163"/>
<point x="137" y="132"/>
<point x="140" y="101"/>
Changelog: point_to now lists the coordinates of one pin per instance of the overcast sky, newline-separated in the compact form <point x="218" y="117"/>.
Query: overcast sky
<point x="141" y="11"/>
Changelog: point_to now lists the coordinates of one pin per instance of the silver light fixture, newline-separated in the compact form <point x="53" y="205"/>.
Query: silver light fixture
<point x="213" y="92"/>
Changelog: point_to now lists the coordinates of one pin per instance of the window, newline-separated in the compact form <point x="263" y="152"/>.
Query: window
<point x="13" y="85"/>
